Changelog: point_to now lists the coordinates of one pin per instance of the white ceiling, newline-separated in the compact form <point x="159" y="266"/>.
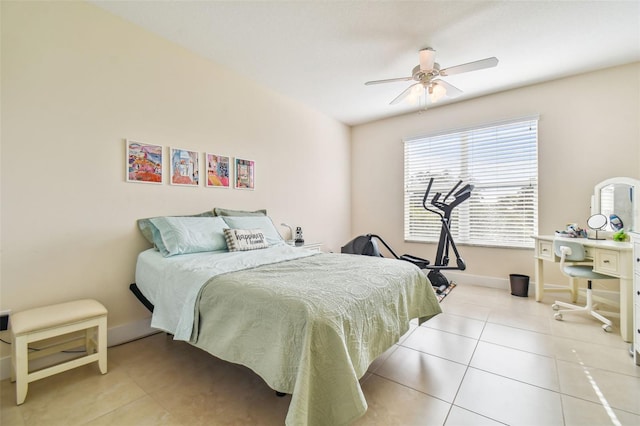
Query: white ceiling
<point x="322" y="52"/>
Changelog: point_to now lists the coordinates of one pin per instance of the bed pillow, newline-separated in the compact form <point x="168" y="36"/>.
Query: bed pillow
<point x="245" y="239"/>
<point x="147" y="228"/>
<point x="262" y="223"/>
<point x="181" y="235"/>
<point x="228" y="212"/>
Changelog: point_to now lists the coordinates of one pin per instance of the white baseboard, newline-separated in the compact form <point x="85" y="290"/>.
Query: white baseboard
<point x="115" y="336"/>
<point x="130" y="331"/>
<point x="460" y="278"/>
<point x="608" y="297"/>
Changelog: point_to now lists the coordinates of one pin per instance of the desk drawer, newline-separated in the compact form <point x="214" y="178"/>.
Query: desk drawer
<point x="588" y="252"/>
<point x="545" y="250"/>
<point x="606" y="261"/>
<point x="636" y="329"/>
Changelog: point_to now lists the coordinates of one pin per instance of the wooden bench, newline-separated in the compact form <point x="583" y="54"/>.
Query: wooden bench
<point x="53" y="321"/>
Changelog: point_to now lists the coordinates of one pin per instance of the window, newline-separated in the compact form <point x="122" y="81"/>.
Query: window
<point x="499" y="160"/>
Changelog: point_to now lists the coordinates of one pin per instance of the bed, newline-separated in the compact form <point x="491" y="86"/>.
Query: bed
<point x="309" y="324"/>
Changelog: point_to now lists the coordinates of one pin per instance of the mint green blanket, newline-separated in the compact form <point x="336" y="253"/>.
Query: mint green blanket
<point x="311" y="327"/>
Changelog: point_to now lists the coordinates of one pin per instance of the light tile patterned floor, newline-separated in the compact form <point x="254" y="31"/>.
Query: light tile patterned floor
<point x="490" y="359"/>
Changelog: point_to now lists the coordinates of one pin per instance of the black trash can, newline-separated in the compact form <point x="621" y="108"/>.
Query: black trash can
<point x="519" y="285"/>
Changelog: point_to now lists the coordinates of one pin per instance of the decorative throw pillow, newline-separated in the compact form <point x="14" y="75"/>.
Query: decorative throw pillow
<point x="229" y="212"/>
<point x="261" y="223"/>
<point x="245" y="239"/>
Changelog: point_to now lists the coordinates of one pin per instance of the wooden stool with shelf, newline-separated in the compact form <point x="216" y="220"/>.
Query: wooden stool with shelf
<point x="38" y="324"/>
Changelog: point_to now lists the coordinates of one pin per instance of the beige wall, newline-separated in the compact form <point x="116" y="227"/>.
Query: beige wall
<point x="589" y="130"/>
<point x="77" y="81"/>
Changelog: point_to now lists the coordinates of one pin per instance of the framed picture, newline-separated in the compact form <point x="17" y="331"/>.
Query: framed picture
<point x="245" y="173"/>
<point x="144" y="162"/>
<point x="218" y="169"/>
<point x="184" y="168"/>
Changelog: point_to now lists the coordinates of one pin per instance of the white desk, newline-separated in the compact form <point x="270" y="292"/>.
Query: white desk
<point x="609" y="257"/>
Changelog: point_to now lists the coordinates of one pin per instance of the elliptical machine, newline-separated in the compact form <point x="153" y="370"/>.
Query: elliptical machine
<point x="366" y="244"/>
<point x="444" y="209"/>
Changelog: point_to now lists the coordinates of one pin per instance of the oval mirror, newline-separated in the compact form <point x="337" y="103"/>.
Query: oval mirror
<point x="597" y="222"/>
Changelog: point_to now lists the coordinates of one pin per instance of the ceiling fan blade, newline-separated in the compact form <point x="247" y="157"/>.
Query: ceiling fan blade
<point x="427" y="59"/>
<point x="452" y="91"/>
<point x="470" y="66"/>
<point x="404" y="94"/>
<point x="390" y="80"/>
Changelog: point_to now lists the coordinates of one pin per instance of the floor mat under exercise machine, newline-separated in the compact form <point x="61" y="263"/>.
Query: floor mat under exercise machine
<point x="444" y="293"/>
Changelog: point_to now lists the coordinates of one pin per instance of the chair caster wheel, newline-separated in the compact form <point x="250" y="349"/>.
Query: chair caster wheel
<point x="555" y="307"/>
<point x="558" y="316"/>
<point x="607" y="328"/>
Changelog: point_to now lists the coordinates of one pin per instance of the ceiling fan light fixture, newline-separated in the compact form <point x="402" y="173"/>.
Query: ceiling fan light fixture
<point x="427" y="59"/>
<point x="414" y="95"/>
<point x="428" y="88"/>
<point x="417" y="90"/>
<point x="436" y="92"/>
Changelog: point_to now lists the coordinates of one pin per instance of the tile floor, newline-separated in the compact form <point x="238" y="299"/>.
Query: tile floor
<point x="489" y="359"/>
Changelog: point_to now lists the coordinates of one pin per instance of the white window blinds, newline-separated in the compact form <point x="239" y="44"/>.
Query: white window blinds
<point x="499" y="160"/>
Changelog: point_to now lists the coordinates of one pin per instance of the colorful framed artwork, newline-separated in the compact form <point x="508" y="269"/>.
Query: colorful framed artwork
<point x="144" y="162"/>
<point x="245" y="173"/>
<point x="218" y="170"/>
<point x="184" y="167"/>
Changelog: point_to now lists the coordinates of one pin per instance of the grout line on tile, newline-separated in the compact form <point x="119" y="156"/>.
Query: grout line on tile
<point x="117" y="408"/>
<point x="476" y="413"/>
<point x="413" y="389"/>
<point x="466" y="370"/>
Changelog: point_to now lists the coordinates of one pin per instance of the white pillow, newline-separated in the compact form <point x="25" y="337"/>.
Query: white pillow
<point x="245" y="239"/>
<point x="263" y="223"/>
<point x="180" y="235"/>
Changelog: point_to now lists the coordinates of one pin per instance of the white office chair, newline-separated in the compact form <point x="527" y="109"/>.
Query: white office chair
<point x="574" y="252"/>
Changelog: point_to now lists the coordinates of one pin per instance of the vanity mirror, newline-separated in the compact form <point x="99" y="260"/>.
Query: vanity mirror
<point x="617" y="197"/>
<point x="597" y="222"/>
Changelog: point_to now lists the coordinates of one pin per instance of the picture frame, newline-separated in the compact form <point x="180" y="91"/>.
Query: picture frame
<point x="184" y="168"/>
<point x="218" y="170"/>
<point x="244" y="173"/>
<point x="144" y="162"/>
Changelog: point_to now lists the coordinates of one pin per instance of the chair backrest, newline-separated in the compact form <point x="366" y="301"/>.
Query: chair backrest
<point x="575" y="252"/>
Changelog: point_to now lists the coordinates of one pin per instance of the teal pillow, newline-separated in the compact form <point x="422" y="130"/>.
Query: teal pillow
<point x="263" y="223"/>
<point x="147" y="228"/>
<point x="228" y="212"/>
<point x="181" y="235"/>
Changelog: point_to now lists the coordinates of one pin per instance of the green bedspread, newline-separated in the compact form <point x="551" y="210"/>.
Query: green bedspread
<point x="311" y="326"/>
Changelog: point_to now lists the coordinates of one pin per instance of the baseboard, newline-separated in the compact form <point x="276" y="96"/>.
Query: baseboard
<point x="130" y="331"/>
<point x="460" y="278"/>
<point x="115" y="336"/>
<point x="610" y="298"/>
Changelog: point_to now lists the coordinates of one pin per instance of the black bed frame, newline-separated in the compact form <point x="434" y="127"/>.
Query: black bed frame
<point x="136" y="291"/>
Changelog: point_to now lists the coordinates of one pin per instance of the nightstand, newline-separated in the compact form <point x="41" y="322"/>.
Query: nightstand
<point x="310" y="246"/>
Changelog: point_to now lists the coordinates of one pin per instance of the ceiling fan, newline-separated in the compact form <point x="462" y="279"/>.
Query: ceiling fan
<point x="425" y="74"/>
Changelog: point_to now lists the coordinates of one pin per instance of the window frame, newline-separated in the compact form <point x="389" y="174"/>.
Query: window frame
<point x="470" y="160"/>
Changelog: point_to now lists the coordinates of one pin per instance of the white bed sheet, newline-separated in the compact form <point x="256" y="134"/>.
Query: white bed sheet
<point x="172" y="283"/>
